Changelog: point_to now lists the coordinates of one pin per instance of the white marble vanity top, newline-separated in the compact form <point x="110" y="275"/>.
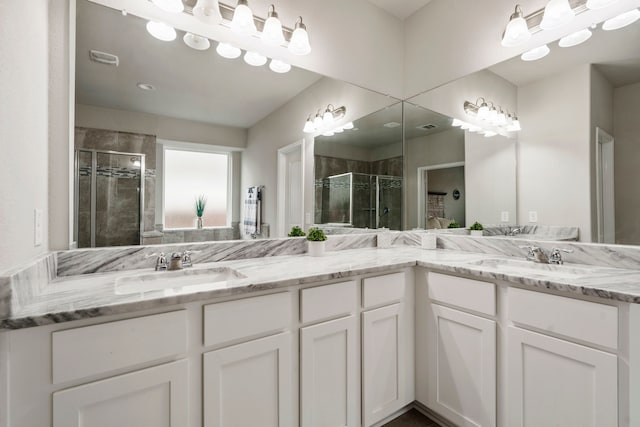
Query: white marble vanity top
<point x="92" y="295"/>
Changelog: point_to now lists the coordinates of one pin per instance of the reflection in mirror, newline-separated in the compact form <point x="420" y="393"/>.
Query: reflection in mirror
<point x="161" y="96"/>
<point x="358" y="173"/>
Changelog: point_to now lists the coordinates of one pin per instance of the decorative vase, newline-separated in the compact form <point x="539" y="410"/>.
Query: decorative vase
<point x="199" y="222"/>
<point x="476" y="232"/>
<point x="315" y="248"/>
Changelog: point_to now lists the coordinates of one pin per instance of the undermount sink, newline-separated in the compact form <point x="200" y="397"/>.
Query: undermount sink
<point x="565" y="271"/>
<point x="188" y="278"/>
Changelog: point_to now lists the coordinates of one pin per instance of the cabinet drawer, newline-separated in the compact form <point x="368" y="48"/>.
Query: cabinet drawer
<point x="328" y="301"/>
<point x="246" y="318"/>
<point x="385" y="289"/>
<point x="91" y="350"/>
<point x="587" y="321"/>
<point x="470" y="294"/>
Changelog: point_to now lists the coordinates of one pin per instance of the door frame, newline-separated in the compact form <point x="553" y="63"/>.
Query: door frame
<point x="282" y="184"/>
<point x="421" y="184"/>
<point x="603" y="138"/>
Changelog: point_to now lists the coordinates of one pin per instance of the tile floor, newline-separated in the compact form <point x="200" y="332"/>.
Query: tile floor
<point x="413" y="418"/>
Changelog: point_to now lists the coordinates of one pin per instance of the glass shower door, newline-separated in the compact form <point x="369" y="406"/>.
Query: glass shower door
<point x="389" y="190"/>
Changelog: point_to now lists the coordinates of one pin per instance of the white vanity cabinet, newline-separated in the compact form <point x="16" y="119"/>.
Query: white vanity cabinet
<point x="387" y="346"/>
<point x="459" y="358"/>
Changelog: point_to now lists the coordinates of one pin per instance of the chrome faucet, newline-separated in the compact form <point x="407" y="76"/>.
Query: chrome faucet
<point x="556" y="255"/>
<point x="186" y="259"/>
<point x="161" y="262"/>
<point x="513" y="231"/>
<point x="536" y="254"/>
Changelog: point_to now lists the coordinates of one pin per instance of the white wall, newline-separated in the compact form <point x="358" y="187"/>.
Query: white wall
<point x="449" y="39"/>
<point x="284" y="127"/>
<point x="626" y="132"/>
<point x="163" y="127"/>
<point x="553" y="176"/>
<point x="434" y="149"/>
<point x="490" y="178"/>
<point x="24" y="120"/>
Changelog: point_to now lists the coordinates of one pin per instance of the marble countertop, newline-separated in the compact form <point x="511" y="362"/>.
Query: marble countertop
<point x="92" y="295"/>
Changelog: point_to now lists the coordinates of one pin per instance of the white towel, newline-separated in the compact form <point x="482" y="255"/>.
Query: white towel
<point x="252" y="211"/>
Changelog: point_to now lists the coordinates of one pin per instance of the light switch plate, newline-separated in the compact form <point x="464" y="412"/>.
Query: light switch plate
<point x="504" y="216"/>
<point x="533" y="216"/>
<point x="37" y="227"/>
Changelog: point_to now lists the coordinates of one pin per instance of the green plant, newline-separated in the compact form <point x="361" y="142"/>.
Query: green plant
<point x="296" y="232"/>
<point x="201" y="203"/>
<point x="316" y="235"/>
<point x="454" y="224"/>
<point x="476" y="226"/>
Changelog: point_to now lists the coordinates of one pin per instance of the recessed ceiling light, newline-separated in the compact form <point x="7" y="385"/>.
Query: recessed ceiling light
<point x="146" y="86"/>
<point x="391" y="125"/>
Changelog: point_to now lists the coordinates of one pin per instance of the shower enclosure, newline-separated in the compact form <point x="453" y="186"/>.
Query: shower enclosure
<point x="109" y="198"/>
<point x="362" y="200"/>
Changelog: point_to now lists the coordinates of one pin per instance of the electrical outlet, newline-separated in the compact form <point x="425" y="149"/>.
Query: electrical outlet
<point x="533" y="216"/>
<point x="37" y="227"/>
<point x="504" y="216"/>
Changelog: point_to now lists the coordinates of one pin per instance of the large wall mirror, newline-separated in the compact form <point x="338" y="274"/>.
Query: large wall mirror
<point x="575" y="161"/>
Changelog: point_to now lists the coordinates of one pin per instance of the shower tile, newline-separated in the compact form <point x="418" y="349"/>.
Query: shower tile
<point x="173" y="236"/>
<point x="139" y="143"/>
<point x="203" y="235"/>
<point x="99" y="139"/>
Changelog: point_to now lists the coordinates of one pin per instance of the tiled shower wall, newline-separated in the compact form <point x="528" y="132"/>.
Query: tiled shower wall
<point x="119" y="224"/>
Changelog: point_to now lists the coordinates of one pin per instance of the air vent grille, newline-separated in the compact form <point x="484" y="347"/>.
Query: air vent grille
<point x="104" y="58"/>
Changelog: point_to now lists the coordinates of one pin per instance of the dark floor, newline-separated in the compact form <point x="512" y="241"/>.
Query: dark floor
<point x="413" y="418"/>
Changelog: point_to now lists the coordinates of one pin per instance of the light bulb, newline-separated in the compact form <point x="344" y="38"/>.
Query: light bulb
<point x="621" y="20"/>
<point x="535" y="53"/>
<point x="272" y="30"/>
<point x="208" y="11"/>
<point x="228" y="51"/>
<point x="502" y="118"/>
<point x="517" y="31"/>
<point x="299" y="43"/>
<point x="278" y="66"/>
<point x="483" y="111"/>
<point x="161" y="31"/>
<point x="308" y="126"/>
<point x="599" y="4"/>
<point x="172" y="6"/>
<point x="516" y="125"/>
<point x="255" y="59"/>
<point x="576" y="38"/>
<point x="242" y="21"/>
<point x="347" y="126"/>
<point x="196" y="42"/>
<point x="327" y="117"/>
<point x="493" y="115"/>
<point x="317" y="121"/>
<point x="556" y="14"/>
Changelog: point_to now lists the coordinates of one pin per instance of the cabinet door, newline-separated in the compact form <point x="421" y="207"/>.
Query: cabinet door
<point x="552" y="382"/>
<point x="384" y="347"/>
<point x="462" y="367"/>
<point x="154" y="397"/>
<point x="329" y="380"/>
<point x="249" y="384"/>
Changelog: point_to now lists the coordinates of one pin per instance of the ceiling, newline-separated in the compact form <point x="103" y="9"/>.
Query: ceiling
<point x="400" y="8"/>
<point x="615" y="53"/>
<point x="190" y="84"/>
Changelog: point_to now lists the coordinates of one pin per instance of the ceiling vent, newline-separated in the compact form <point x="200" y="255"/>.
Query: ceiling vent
<point x="104" y="58"/>
<point x="392" y="125"/>
<point x="428" y="126"/>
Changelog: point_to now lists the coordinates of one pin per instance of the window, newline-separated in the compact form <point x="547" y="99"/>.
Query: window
<point x="189" y="174"/>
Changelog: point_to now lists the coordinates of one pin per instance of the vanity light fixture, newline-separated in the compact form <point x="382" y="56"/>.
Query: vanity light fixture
<point x="299" y="43"/>
<point x="278" y="66"/>
<point x="161" y="31"/>
<point x="324" y="120"/>
<point x="621" y="20"/>
<point x="483" y="110"/>
<point x="228" y="51"/>
<point x="272" y="30"/>
<point x="556" y="14"/>
<point x="242" y="21"/>
<point x="196" y="42"/>
<point x="517" y="31"/>
<point x="254" y="58"/>
<point x="576" y="38"/>
<point x="172" y="6"/>
<point x="535" y="53"/>
<point x="500" y="125"/>
<point x="208" y="11"/>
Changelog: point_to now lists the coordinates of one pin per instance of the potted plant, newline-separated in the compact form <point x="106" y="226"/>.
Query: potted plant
<point x="296" y="232"/>
<point x="454" y="224"/>
<point x="201" y="203"/>
<point x="476" y="229"/>
<point x="316" y="239"/>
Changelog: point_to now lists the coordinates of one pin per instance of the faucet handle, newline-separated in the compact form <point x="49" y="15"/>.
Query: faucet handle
<point x="556" y="255"/>
<point x="161" y="261"/>
<point x="186" y="259"/>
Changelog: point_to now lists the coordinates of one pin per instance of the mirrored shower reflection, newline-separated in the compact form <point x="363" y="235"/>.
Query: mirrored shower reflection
<point x="109" y="202"/>
<point x="359" y="200"/>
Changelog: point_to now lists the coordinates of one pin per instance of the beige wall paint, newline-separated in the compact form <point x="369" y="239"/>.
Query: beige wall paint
<point x="434" y="149"/>
<point x="284" y="127"/>
<point x="163" y="127"/>
<point x="626" y="132"/>
<point x="24" y="82"/>
<point x="553" y="176"/>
